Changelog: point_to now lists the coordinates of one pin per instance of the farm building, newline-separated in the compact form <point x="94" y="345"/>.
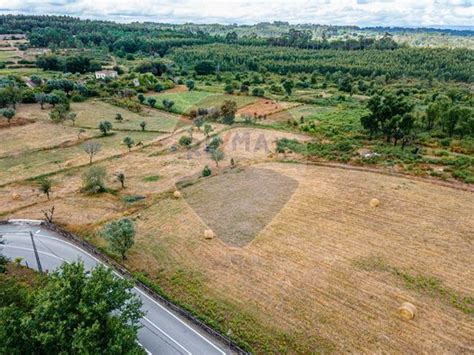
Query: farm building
<point x="103" y="74"/>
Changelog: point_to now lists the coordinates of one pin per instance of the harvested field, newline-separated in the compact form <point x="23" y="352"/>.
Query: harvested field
<point x="38" y="135"/>
<point x="77" y="208"/>
<point x="27" y="165"/>
<point x="251" y="195"/>
<point x="264" y="107"/>
<point x="337" y="268"/>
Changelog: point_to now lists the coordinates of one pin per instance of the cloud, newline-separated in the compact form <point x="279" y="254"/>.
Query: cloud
<point x="338" y="12"/>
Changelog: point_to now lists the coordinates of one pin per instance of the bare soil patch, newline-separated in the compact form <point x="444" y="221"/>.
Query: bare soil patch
<point x="240" y="203"/>
<point x="264" y="107"/>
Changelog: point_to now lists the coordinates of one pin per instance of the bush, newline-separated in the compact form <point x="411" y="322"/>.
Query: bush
<point x="93" y="180"/>
<point x="206" y="171"/>
<point x="185" y="141"/>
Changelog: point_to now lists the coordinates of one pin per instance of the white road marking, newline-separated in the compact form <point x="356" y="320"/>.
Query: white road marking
<point x="144" y="294"/>
<point x="140" y="291"/>
<point x="146" y="350"/>
<point x="162" y="331"/>
<point x="40" y="252"/>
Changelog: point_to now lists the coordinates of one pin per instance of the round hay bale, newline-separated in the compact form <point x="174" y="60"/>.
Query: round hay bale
<point x="177" y="194"/>
<point x="407" y="310"/>
<point x="16" y="196"/>
<point x="68" y="163"/>
<point x="208" y="234"/>
<point x="374" y="202"/>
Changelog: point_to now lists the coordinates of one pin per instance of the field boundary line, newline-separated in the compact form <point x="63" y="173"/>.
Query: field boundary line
<point x="448" y="184"/>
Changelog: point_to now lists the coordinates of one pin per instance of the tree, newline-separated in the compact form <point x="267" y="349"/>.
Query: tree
<point x="41" y="98"/>
<point x="159" y="87"/>
<point x="228" y="110"/>
<point x="10" y="95"/>
<point x="215" y="143"/>
<point x="93" y="180"/>
<point x="185" y="141"/>
<point x="151" y="101"/>
<point x="288" y="86"/>
<point x="105" y="127"/>
<point x="118" y="117"/>
<point x="44" y="185"/>
<point x="205" y="67"/>
<point x="466" y="123"/>
<point x="129" y="142"/>
<point x="141" y="98"/>
<point x="121" y="178"/>
<point x="207" y="130"/>
<point x="75" y="313"/>
<point x="91" y="148"/>
<point x="454" y="116"/>
<point x="8" y="113"/>
<point x="258" y="92"/>
<point x="143" y="125"/>
<point x="388" y="116"/>
<point x="198" y="122"/>
<point x="217" y="156"/>
<point x="58" y="114"/>
<point x="168" y="104"/>
<point x="229" y="89"/>
<point x="120" y="235"/>
<point x="190" y="84"/>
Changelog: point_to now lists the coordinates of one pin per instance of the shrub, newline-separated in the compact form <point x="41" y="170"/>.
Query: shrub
<point x="185" y="141"/>
<point x="206" y="171"/>
<point x="93" y="180"/>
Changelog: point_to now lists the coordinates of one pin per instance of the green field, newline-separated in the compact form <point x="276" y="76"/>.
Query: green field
<point x="8" y="55"/>
<point x="186" y="101"/>
<point x="89" y="114"/>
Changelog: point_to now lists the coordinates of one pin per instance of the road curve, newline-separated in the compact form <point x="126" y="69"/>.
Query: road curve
<point x="163" y="331"/>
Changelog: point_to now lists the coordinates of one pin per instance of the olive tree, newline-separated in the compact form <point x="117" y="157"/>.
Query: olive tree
<point x="44" y="185"/>
<point x="121" y="236"/>
<point x="105" y="127"/>
<point x="91" y="148"/>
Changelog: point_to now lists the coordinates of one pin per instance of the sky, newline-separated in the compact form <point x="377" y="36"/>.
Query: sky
<point x="409" y="13"/>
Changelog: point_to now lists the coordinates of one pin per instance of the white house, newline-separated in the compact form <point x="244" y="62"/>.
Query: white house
<point x="106" y="74"/>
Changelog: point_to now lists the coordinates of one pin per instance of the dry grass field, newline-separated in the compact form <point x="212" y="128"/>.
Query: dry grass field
<point x="38" y="135"/>
<point x="329" y="270"/>
<point x="300" y="262"/>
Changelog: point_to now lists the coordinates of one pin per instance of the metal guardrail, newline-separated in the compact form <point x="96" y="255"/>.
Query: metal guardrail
<point x="153" y="294"/>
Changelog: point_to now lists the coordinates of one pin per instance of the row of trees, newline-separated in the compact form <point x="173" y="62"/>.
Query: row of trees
<point x="441" y="63"/>
<point x="68" y="64"/>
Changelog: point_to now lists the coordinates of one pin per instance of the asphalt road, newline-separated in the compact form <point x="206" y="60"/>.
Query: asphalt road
<point x="162" y="332"/>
